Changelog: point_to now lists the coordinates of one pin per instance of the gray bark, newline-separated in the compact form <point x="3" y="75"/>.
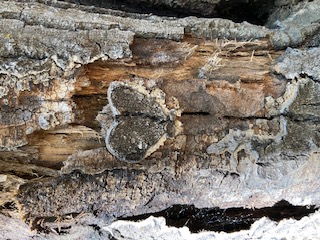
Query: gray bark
<point x="220" y="113"/>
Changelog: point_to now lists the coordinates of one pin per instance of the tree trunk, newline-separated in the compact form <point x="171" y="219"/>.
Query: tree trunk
<point x="107" y="114"/>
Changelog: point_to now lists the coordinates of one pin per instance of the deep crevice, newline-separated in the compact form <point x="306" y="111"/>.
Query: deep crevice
<point x="253" y="11"/>
<point x="227" y="220"/>
<point x="195" y="113"/>
<point x="251" y="117"/>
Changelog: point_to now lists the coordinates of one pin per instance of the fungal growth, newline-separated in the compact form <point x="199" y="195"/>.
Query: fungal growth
<point x="141" y="122"/>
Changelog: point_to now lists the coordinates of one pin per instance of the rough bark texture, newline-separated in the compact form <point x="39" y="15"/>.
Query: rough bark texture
<point x="105" y="114"/>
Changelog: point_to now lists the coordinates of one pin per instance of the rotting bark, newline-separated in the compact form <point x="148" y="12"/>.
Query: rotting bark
<point x="238" y="114"/>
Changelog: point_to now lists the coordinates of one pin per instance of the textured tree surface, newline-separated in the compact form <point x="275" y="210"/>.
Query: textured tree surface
<point x="107" y="114"/>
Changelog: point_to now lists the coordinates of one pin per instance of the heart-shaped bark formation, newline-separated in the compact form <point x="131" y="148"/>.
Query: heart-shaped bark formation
<point x="141" y="123"/>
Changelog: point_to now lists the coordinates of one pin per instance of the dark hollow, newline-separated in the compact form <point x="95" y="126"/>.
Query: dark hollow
<point x="227" y="220"/>
<point x="253" y="11"/>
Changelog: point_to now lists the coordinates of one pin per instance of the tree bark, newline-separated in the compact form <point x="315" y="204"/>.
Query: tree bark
<point x="112" y="114"/>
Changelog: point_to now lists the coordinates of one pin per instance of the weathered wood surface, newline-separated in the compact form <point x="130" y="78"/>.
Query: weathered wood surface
<point x="241" y="114"/>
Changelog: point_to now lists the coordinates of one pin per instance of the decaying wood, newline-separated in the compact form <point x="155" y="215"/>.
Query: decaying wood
<point x="241" y="114"/>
